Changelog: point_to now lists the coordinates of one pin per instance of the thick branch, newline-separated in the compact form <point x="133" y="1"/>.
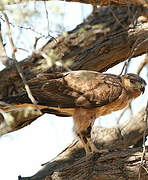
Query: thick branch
<point x="97" y="44"/>
<point x="124" y="165"/>
<point x="71" y="163"/>
<point x="102" y="41"/>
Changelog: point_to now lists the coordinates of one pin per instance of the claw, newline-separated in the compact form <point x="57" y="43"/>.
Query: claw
<point x="93" y="147"/>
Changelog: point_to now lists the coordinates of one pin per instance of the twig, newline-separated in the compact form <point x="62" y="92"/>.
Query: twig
<point x="31" y="29"/>
<point x="36" y="42"/>
<point x="126" y="64"/>
<point x="22" y="49"/>
<point x="144" y="137"/>
<point x="116" y="18"/>
<point x="5" y="60"/>
<point x="130" y="108"/>
<point x="14" y="49"/>
<point x="46" y="16"/>
<point x="121" y="115"/>
<point x="133" y="51"/>
<point x="143" y="63"/>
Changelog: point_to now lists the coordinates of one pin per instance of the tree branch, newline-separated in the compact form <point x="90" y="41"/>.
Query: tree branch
<point x="5" y="60"/>
<point x="71" y="162"/>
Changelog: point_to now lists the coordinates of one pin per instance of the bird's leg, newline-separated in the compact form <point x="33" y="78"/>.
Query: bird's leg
<point x="84" y="142"/>
<point x="93" y="147"/>
<point x="83" y="122"/>
<point x="87" y="135"/>
<point x="91" y="144"/>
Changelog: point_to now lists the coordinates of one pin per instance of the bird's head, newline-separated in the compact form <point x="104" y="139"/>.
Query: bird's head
<point x="134" y="83"/>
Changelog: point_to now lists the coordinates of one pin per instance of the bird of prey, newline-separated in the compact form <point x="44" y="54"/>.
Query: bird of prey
<point x="84" y="95"/>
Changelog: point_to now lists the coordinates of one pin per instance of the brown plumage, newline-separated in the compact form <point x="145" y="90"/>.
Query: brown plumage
<point x="85" y="95"/>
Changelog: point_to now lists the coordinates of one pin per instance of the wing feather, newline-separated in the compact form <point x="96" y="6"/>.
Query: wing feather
<point x="85" y="89"/>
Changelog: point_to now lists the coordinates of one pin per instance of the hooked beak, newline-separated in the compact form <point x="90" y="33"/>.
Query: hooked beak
<point x="142" y="89"/>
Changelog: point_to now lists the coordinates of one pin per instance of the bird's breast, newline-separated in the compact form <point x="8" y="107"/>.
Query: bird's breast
<point x="122" y="102"/>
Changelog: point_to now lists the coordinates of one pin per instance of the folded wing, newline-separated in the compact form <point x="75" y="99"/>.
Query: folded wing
<point x="86" y="89"/>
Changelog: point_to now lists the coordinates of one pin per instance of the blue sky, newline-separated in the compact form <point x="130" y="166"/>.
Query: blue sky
<point x="22" y="152"/>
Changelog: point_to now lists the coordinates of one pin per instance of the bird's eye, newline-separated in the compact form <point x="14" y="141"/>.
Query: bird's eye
<point x="132" y="81"/>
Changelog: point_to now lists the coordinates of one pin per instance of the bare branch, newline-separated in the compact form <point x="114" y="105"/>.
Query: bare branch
<point x="5" y="60"/>
<point x="29" y="28"/>
<point x="47" y="20"/>
<point x="143" y="64"/>
<point x="133" y="51"/>
<point x="128" y="108"/>
<point x="16" y="64"/>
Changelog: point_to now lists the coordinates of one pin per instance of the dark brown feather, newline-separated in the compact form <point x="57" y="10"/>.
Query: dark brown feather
<point x="85" y="89"/>
<point x="74" y="89"/>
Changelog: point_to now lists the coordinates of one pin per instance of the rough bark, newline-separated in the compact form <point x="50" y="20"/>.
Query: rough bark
<point x="122" y="165"/>
<point x="72" y="164"/>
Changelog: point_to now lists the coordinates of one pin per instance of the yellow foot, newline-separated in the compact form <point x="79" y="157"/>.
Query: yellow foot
<point x="88" y="153"/>
<point x="97" y="151"/>
<point x="93" y="147"/>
